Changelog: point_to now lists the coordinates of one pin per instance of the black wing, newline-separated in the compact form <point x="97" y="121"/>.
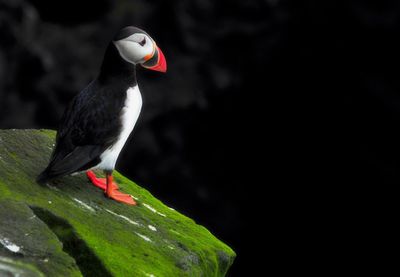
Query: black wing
<point x="90" y="124"/>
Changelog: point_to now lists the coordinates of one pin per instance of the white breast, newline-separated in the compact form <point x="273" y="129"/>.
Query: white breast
<point x="129" y="115"/>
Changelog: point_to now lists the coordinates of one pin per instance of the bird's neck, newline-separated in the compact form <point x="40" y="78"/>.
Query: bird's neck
<point x="114" y="67"/>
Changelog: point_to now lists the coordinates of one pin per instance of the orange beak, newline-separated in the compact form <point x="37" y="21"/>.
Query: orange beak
<point x="161" y="63"/>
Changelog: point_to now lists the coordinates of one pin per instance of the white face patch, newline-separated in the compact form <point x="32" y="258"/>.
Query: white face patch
<point x="135" y="48"/>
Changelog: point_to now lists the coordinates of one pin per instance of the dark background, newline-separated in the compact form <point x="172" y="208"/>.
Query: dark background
<point x="268" y="106"/>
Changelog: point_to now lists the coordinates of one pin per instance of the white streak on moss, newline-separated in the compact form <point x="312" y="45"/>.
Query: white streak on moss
<point x="153" y="210"/>
<point x="143" y="237"/>
<point x="124" y="217"/>
<point x="83" y="204"/>
<point x="51" y="187"/>
<point x="175" y="232"/>
<point x="152" y="228"/>
<point x="150" y="207"/>
<point x="169" y="244"/>
<point x="9" y="245"/>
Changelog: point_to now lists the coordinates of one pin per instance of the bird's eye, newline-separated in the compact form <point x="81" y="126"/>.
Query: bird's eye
<point x="143" y="42"/>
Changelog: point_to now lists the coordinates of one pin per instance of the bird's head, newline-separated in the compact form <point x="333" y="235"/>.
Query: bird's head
<point x="137" y="47"/>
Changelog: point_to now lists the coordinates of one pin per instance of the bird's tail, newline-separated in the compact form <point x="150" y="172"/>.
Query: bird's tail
<point x="43" y="177"/>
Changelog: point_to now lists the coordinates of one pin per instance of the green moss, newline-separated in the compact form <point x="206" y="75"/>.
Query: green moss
<point x="48" y="133"/>
<point x="10" y="267"/>
<point x="32" y="242"/>
<point x="147" y="239"/>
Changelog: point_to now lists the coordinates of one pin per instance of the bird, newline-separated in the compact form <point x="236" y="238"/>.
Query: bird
<point x="98" y="121"/>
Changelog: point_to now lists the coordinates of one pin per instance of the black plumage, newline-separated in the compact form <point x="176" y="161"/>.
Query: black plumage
<point x="92" y="122"/>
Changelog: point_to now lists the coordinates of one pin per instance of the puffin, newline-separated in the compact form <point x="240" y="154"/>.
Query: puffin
<point x="98" y="121"/>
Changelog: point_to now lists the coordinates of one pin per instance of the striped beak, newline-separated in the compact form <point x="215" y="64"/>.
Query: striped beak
<point x="156" y="61"/>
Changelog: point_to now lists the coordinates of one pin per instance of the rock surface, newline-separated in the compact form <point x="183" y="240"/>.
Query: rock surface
<point x="68" y="227"/>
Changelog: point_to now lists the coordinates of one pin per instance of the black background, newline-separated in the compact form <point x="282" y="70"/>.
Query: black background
<point x="272" y="113"/>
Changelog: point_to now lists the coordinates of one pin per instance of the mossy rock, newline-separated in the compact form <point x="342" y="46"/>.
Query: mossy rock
<point x="69" y="228"/>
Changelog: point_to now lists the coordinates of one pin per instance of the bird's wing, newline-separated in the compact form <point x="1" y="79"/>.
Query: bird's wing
<point x="89" y="126"/>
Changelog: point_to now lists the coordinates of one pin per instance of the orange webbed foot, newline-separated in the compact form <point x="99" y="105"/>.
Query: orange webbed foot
<point x="98" y="182"/>
<point x="121" y="197"/>
<point x="110" y="188"/>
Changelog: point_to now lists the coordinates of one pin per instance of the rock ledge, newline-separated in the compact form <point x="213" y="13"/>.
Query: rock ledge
<point x="68" y="228"/>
